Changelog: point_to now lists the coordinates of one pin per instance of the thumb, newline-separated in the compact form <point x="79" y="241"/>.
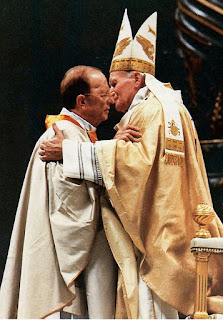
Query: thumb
<point x="58" y="133"/>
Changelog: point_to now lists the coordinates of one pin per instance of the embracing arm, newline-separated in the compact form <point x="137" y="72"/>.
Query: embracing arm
<point x="79" y="159"/>
<point x="52" y="150"/>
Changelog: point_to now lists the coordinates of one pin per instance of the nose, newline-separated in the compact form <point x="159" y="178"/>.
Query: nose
<point x="113" y="95"/>
<point x="111" y="99"/>
<point x="112" y="92"/>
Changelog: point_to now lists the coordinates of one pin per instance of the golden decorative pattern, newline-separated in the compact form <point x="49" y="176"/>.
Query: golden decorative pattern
<point x="121" y="46"/>
<point x="132" y="64"/>
<point x="147" y="46"/>
<point x="173" y="128"/>
<point x="175" y="145"/>
<point x="174" y="159"/>
<point x="152" y="31"/>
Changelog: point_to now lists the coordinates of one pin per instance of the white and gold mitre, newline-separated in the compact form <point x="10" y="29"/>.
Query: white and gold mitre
<point x="138" y="54"/>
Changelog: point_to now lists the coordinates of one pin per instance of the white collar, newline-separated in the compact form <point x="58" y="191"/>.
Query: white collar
<point x="140" y="95"/>
<point x="84" y="123"/>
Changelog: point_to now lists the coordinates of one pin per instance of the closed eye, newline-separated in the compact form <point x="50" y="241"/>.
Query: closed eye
<point x="112" y="85"/>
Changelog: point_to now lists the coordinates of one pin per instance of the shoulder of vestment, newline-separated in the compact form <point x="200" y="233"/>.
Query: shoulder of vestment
<point x="148" y="109"/>
<point x="69" y="130"/>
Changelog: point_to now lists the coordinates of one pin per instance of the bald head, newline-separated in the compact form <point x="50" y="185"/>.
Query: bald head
<point x="76" y="81"/>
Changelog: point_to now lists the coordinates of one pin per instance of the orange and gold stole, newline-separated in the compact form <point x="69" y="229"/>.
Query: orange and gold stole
<point x="52" y="119"/>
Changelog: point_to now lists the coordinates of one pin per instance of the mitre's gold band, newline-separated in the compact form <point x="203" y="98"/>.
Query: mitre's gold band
<point x="132" y="64"/>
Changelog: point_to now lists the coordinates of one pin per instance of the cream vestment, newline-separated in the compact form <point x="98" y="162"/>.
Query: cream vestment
<point x="56" y="236"/>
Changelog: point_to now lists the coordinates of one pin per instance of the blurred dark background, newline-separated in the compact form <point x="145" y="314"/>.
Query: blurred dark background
<point x="42" y="39"/>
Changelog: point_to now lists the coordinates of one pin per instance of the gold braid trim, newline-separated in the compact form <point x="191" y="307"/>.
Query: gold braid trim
<point x="132" y="64"/>
<point x="175" y="145"/>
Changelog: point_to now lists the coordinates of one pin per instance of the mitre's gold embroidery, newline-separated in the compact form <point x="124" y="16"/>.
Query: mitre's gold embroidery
<point x="147" y="46"/>
<point x="132" y="64"/>
<point x="152" y="31"/>
<point x="121" y="46"/>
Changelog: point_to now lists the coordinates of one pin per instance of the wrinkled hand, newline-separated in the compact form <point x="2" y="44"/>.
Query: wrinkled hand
<point x="129" y="133"/>
<point x="52" y="150"/>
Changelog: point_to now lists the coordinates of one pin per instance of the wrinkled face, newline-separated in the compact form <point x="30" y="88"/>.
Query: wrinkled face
<point x="99" y="99"/>
<point x="122" y="88"/>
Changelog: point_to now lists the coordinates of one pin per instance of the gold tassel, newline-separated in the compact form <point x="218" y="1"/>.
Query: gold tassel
<point x="174" y="159"/>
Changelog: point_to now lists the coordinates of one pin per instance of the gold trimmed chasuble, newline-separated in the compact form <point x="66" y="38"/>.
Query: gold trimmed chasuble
<point x="154" y="201"/>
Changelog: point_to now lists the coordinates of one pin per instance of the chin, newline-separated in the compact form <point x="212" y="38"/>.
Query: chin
<point x="119" y="108"/>
<point x="105" y="118"/>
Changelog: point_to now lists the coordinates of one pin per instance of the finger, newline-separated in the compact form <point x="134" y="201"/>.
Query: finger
<point x="43" y="158"/>
<point x="56" y="130"/>
<point x="47" y="145"/>
<point x="41" y="152"/>
<point x="42" y="146"/>
<point x="135" y="134"/>
<point x="133" y="128"/>
<point x="123" y="137"/>
<point x="132" y="139"/>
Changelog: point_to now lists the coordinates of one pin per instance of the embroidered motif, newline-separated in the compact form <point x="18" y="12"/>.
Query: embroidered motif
<point x="121" y="46"/>
<point x="175" y="145"/>
<point x="152" y="31"/>
<point x="173" y="128"/>
<point x="147" y="46"/>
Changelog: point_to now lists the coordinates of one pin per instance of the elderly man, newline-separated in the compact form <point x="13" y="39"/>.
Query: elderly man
<point x="153" y="185"/>
<point x="59" y="262"/>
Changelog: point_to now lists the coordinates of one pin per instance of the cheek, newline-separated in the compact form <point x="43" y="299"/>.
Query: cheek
<point x="123" y="95"/>
<point x="119" y="89"/>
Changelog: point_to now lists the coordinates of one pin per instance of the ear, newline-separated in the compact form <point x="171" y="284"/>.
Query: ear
<point x="81" y="101"/>
<point x="139" y="80"/>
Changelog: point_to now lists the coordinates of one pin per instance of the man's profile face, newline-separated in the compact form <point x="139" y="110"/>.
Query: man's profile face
<point x="123" y="90"/>
<point x="99" y="99"/>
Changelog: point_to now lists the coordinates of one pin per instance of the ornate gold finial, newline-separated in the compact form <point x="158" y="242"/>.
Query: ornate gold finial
<point x="203" y="215"/>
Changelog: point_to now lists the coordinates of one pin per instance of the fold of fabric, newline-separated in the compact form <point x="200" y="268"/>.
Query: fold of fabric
<point x="155" y="200"/>
<point x="52" y="237"/>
